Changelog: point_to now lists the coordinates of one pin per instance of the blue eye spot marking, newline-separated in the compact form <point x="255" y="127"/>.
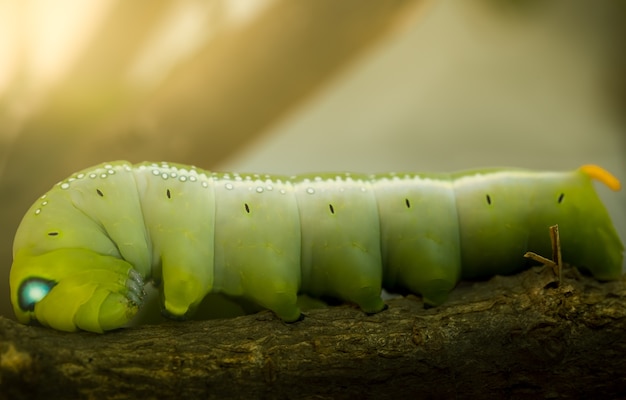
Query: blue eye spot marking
<point x="32" y="290"/>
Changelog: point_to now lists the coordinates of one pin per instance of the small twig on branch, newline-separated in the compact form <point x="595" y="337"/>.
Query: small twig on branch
<point x="557" y="262"/>
<point x="556" y="252"/>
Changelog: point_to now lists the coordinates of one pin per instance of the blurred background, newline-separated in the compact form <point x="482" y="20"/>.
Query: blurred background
<point x="294" y="86"/>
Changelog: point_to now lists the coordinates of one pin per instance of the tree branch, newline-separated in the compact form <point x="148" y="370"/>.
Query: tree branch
<point x="510" y="337"/>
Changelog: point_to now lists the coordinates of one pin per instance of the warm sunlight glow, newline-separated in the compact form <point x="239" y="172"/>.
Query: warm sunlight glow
<point x="41" y="38"/>
<point x="9" y="49"/>
<point x="185" y="29"/>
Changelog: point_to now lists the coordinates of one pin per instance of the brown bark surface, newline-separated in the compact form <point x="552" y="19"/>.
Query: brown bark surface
<point x="511" y="337"/>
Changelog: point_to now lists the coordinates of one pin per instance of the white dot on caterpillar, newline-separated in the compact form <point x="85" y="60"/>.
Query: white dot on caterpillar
<point x="173" y="174"/>
<point x="205" y="184"/>
<point x="192" y="178"/>
<point x="93" y="175"/>
<point x="282" y="191"/>
<point x="269" y="187"/>
<point x="182" y="178"/>
<point x="103" y="176"/>
<point x="164" y="175"/>
<point x="65" y="186"/>
<point x="43" y="203"/>
<point x="38" y="211"/>
<point x="310" y="190"/>
<point x="259" y="189"/>
<point x="156" y="172"/>
<point x="80" y="176"/>
<point x="111" y="171"/>
<point x="229" y="186"/>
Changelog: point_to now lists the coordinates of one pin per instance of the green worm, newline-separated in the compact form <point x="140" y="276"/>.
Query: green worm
<point x="84" y="250"/>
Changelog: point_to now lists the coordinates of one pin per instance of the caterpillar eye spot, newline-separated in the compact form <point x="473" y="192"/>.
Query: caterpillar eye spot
<point x="488" y="199"/>
<point x="561" y="198"/>
<point x="169" y="195"/>
<point x="53" y="233"/>
<point x="99" y="193"/>
<point x="247" y="208"/>
<point x="32" y="291"/>
<point x="408" y="203"/>
<point x="332" y="209"/>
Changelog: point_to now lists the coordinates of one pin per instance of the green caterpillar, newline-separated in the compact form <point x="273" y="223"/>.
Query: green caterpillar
<point x="84" y="250"/>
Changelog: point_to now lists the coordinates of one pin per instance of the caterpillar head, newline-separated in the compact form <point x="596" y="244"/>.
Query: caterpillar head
<point x="71" y="289"/>
<point x="79" y="255"/>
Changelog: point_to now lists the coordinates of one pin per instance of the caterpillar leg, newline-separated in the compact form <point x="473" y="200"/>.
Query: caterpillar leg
<point x="280" y="300"/>
<point x="434" y="290"/>
<point x="182" y="290"/>
<point x="347" y="273"/>
<point x="431" y="269"/>
<point x="262" y="274"/>
<point x="73" y="289"/>
<point x="265" y="277"/>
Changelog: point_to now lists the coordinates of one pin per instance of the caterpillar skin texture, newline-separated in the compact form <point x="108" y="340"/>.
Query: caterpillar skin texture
<point x="84" y="250"/>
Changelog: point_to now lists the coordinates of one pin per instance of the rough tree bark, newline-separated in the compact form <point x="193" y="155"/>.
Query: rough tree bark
<point x="510" y="337"/>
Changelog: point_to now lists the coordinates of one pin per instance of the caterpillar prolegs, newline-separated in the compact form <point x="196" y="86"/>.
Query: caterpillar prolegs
<point x="84" y="250"/>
